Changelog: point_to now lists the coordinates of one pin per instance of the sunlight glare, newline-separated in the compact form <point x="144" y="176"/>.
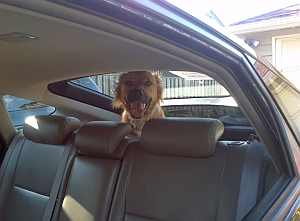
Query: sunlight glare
<point x="75" y="211"/>
<point x="32" y="122"/>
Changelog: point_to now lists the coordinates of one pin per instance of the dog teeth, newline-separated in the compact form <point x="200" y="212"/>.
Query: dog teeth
<point x="134" y="105"/>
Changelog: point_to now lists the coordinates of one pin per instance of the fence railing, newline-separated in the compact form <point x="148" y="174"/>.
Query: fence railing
<point x="176" y="87"/>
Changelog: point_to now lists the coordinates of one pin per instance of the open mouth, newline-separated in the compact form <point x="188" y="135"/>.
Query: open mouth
<point x="138" y="109"/>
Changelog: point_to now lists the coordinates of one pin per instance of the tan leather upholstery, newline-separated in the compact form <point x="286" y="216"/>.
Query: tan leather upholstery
<point x="49" y="129"/>
<point x="169" y="136"/>
<point x="101" y="137"/>
<point x="94" y="172"/>
<point x="32" y="166"/>
<point x="180" y="172"/>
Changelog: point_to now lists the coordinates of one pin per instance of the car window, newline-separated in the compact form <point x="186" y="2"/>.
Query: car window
<point x="177" y="84"/>
<point x="186" y="94"/>
<point x="286" y="95"/>
<point x="86" y="82"/>
<point x="19" y="109"/>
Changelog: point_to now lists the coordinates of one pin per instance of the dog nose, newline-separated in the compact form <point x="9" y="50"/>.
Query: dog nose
<point x="138" y="93"/>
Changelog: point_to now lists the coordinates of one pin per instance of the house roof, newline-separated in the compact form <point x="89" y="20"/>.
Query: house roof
<point x="291" y="11"/>
<point x="284" y="18"/>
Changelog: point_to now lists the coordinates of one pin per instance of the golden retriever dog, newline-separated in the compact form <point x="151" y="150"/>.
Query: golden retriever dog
<point x="139" y="94"/>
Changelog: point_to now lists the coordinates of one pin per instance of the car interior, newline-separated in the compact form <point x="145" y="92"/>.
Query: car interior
<point x="78" y="162"/>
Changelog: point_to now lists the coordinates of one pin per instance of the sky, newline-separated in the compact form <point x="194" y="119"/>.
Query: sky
<point x="231" y="11"/>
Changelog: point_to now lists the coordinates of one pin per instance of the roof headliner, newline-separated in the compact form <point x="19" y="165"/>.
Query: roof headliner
<point x="66" y="50"/>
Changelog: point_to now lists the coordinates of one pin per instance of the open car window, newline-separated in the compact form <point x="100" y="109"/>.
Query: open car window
<point x="186" y="94"/>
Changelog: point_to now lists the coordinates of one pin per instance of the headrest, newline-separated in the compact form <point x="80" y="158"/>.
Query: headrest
<point x="182" y="136"/>
<point x="50" y="129"/>
<point x="101" y="137"/>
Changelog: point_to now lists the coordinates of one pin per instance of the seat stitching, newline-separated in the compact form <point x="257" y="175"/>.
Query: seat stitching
<point x="221" y="183"/>
<point x="210" y="132"/>
<point x="128" y="177"/>
<point x="264" y="172"/>
<point x="142" y="217"/>
<point x="212" y="135"/>
<point x="19" y="187"/>
<point x="112" y="190"/>
<point x="113" y="136"/>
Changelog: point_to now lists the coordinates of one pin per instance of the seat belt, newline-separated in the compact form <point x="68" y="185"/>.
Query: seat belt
<point x="58" y="179"/>
<point x="250" y="179"/>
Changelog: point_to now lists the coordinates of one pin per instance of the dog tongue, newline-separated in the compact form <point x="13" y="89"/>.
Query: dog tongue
<point x="137" y="109"/>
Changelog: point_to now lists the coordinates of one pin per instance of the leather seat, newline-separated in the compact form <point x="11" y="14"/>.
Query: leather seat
<point x="180" y="171"/>
<point x="94" y="171"/>
<point x="31" y="164"/>
<point x="177" y="171"/>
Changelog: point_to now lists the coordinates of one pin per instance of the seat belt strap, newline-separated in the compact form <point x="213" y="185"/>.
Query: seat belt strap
<point x="249" y="185"/>
<point x="58" y="179"/>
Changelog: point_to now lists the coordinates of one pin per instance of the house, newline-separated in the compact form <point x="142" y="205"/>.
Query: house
<point x="276" y="37"/>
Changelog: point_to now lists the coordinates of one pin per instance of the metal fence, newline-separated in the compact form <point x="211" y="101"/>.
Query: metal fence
<point x="174" y="87"/>
<point x="107" y="83"/>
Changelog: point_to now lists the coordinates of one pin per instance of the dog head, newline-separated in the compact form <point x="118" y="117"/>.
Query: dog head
<point x="138" y="93"/>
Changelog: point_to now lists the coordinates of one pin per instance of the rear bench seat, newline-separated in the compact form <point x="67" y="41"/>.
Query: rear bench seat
<point x="31" y="164"/>
<point x="180" y="171"/>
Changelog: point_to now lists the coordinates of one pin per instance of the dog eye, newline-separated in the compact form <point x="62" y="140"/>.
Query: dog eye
<point x="128" y="83"/>
<point x="148" y="83"/>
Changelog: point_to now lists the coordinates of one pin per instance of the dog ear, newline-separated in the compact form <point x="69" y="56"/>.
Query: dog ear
<point x="117" y="102"/>
<point x="160" y="86"/>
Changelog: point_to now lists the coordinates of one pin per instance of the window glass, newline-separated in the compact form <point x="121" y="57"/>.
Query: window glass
<point x="286" y="95"/>
<point x="186" y="94"/>
<point x="177" y="84"/>
<point x="19" y="109"/>
<point x="86" y="82"/>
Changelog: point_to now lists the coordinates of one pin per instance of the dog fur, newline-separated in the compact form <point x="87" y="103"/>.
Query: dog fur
<point x="139" y="94"/>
